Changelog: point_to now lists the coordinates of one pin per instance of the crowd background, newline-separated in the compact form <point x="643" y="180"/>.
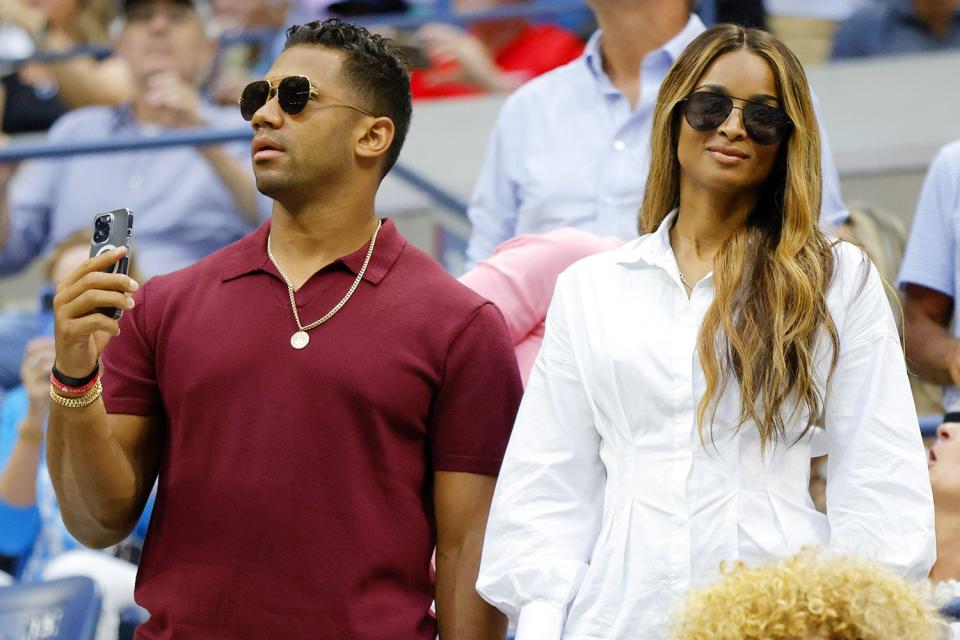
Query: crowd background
<point x="885" y="73"/>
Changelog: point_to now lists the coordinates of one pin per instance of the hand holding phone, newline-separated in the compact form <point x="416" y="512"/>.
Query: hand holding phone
<point x="88" y="302"/>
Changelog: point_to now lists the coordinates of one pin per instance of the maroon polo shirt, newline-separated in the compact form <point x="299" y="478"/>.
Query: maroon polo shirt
<point x="294" y="496"/>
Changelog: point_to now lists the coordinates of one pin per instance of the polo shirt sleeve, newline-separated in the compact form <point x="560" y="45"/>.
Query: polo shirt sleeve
<point x="479" y="395"/>
<point x="930" y="256"/>
<point x="129" y="363"/>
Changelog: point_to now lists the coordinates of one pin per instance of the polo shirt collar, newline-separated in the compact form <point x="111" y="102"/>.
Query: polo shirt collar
<point x="249" y="254"/>
<point x="653" y="249"/>
<point x="593" y="57"/>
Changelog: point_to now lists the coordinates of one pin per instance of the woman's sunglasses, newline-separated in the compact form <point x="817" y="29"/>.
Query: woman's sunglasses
<point x="293" y="93"/>
<point x="765" y="124"/>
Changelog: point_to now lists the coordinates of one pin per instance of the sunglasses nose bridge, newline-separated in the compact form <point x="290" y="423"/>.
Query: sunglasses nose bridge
<point x="739" y="122"/>
<point x="268" y="113"/>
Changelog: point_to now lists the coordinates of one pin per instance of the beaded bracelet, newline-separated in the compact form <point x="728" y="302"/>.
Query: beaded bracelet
<point x="77" y="403"/>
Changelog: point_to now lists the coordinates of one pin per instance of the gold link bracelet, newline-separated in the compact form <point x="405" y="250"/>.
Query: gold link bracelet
<point x="77" y="403"/>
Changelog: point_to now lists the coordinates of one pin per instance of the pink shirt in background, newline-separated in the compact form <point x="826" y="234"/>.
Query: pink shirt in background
<point x="520" y="276"/>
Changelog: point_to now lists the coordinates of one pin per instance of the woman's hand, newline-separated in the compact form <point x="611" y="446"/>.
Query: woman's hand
<point x="35" y="376"/>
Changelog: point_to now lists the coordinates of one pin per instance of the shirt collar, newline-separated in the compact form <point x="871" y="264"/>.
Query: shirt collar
<point x="672" y="48"/>
<point x="249" y="254"/>
<point x="653" y="249"/>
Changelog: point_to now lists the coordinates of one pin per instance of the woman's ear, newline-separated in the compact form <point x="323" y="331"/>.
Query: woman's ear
<point x="376" y="139"/>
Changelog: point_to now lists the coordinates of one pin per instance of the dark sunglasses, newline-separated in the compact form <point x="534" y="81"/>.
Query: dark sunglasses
<point x="765" y="124"/>
<point x="293" y="93"/>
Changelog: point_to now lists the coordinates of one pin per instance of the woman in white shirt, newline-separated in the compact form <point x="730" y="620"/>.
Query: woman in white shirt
<point x="668" y="422"/>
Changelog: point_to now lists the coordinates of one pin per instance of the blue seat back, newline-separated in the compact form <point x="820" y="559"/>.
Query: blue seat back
<point x="66" y="609"/>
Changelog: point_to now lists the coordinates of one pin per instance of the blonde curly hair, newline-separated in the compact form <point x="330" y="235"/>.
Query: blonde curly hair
<point x="812" y="595"/>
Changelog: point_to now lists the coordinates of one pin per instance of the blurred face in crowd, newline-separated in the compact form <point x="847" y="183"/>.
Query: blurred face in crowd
<point x="165" y="37"/>
<point x="726" y="159"/>
<point x="944" y="465"/>
<point x="69" y="260"/>
<point x="295" y="155"/>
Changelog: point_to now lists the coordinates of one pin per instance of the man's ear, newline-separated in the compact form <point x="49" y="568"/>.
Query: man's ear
<point x="376" y="138"/>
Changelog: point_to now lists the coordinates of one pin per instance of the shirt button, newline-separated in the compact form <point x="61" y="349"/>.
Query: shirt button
<point x="619" y="145"/>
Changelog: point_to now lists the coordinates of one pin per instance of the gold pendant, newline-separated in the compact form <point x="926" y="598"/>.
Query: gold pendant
<point x="299" y="340"/>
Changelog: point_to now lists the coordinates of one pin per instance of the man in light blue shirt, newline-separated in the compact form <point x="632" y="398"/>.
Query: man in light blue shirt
<point x="571" y="148"/>
<point x="929" y="276"/>
<point x="187" y="202"/>
<point x="898" y="27"/>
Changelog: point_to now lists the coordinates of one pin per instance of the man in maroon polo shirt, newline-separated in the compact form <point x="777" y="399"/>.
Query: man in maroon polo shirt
<point x="319" y="402"/>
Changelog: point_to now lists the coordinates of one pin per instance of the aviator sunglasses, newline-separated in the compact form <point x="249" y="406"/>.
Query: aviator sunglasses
<point x="765" y="124"/>
<point x="293" y="93"/>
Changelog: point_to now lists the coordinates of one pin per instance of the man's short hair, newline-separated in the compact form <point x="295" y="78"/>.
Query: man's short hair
<point x="376" y="72"/>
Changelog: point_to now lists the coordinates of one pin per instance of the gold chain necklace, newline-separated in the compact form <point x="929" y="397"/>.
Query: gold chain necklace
<point x="301" y="338"/>
<point x="684" y="280"/>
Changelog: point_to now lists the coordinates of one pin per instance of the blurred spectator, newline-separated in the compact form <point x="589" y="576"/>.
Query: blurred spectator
<point x="747" y="13"/>
<point x="31" y="529"/>
<point x="262" y="23"/>
<point x="928" y="277"/>
<point x="808" y="26"/>
<point x="945" y="481"/>
<point x="810" y="596"/>
<point x="571" y="148"/>
<point x="520" y="277"/>
<point x="39" y="93"/>
<point x="188" y="202"/>
<point x="494" y="56"/>
<point x="899" y="26"/>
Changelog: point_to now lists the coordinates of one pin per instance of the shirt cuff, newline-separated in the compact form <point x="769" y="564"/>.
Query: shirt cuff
<point x="540" y="620"/>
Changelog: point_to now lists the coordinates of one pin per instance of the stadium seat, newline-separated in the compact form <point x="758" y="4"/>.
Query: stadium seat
<point x="66" y="609"/>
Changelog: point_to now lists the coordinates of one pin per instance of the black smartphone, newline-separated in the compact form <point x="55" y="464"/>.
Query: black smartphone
<point x="112" y="230"/>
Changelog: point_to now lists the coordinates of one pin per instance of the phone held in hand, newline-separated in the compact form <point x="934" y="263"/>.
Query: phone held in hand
<point x="112" y="230"/>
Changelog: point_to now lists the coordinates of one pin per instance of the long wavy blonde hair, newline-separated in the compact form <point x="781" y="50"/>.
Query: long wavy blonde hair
<point x="771" y="276"/>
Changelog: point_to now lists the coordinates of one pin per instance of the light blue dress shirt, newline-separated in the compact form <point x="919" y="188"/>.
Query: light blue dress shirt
<point x="930" y="259"/>
<point x="568" y="151"/>
<point x="182" y="210"/>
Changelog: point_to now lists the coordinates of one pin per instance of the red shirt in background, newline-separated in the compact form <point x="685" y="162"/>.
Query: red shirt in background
<point x="295" y="489"/>
<point x="538" y="49"/>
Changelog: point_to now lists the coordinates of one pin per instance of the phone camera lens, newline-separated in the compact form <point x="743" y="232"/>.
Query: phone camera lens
<point x="101" y="229"/>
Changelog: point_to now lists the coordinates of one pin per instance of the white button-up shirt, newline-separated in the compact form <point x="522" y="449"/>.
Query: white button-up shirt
<point x="608" y="504"/>
<point x="568" y="150"/>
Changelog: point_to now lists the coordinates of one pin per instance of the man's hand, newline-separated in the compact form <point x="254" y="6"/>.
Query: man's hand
<point x="81" y="331"/>
<point x="35" y="376"/>
<point x="176" y="100"/>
